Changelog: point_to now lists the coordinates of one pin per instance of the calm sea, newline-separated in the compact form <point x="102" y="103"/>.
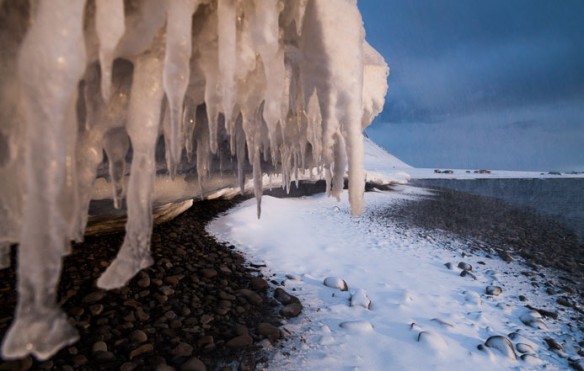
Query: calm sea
<point x="561" y="199"/>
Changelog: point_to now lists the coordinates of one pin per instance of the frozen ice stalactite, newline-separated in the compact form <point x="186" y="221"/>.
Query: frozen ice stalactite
<point x="245" y="87"/>
<point x="48" y="92"/>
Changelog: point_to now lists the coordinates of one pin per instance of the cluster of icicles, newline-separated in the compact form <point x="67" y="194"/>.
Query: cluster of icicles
<point x="281" y="86"/>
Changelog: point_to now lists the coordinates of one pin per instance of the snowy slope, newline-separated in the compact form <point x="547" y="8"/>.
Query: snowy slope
<point x="423" y="316"/>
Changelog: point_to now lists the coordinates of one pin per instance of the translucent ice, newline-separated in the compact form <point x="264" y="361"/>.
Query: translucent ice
<point x="99" y="99"/>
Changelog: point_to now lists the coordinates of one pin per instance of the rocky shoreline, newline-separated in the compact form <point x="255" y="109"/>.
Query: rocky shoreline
<point x="499" y="229"/>
<point x="200" y="306"/>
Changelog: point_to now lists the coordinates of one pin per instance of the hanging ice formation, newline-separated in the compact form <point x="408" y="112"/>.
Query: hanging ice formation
<point x="278" y="86"/>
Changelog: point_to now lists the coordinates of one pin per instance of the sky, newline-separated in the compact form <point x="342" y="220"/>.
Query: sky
<point x="495" y="84"/>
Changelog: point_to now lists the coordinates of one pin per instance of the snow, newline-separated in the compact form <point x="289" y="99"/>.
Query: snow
<point x="404" y="309"/>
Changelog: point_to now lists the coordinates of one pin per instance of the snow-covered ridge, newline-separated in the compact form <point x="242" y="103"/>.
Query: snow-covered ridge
<point x="230" y="86"/>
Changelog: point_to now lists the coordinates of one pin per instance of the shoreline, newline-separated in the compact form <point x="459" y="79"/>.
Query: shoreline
<point x="186" y="309"/>
<point x="499" y="229"/>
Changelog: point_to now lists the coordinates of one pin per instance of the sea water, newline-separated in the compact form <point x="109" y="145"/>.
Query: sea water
<point x="561" y="199"/>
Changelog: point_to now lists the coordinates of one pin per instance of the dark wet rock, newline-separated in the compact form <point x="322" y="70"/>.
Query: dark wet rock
<point x="464" y="266"/>
<point x="182" y="350"/>
<point x="269" y="331"/>
<point x="564" y="302"/>
<point x="93" y="297"/>
<point x="193" y="364"/>
<point x="522" y="298"/>
<point x="240" y="341"/>
<point x="465" y="273"/>
<point x="258" y="283"/>
<point x="553" y="344"/>
<point x="502" y="345"/>
<point x="99" y="346"/>
<point x="291" y="310"/>
<point x="285" y="298"/>
<point x="209" y="273"/>
<point x="138" y="336"/>
<point x="448" y="265"/>
<point x="494" y="290"/>
<point x="145" y="348"/>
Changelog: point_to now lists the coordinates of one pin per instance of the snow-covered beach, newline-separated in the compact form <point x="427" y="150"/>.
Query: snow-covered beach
<point x="438" y="300"/>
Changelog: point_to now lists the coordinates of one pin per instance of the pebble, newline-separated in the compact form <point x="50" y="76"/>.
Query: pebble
<point x="269" y="331"/>
<point x="99" y="346"/>
<point x="104" y="356"/>
<point x="448" y="265"/>
<point x="240" y="341"/>
<point x="182" y="350"/>
<point x="553" y="344"/>
<point x="465" y="266"/>
<point x="466" y="273"/>
<point x="503" y="345"/>
<point x="144" y="282"/>
<point x="524" y="348"/>
<point x="336" y="283"/>
<point x="138" y="336"/>
<point x="209" y="273"/>
<point x="193" y="364"/>
<point x="533" y="319"/>
<point x="259" y="283"/>
<point x="360" y="299"/>
<point x="283" y="297"/>
<point x="291" y="310"/>
<point x="93" y="297"/>
<point x="494" y="290"/>
<point x="146" y="348"/>
<point x="96" y="309"/>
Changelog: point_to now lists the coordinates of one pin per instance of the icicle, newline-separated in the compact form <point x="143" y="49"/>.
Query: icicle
<point x="143" y="126"/>
<point x="176" y="71"/>
<point x="189" y="123"/>
<point x="116" y="144"/>
<point x="226" y="29"/>
<point x="40" y="327"/>
<point x="109" y="23"/>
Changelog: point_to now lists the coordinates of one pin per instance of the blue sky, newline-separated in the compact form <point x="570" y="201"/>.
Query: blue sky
<point x="493" y="84"/>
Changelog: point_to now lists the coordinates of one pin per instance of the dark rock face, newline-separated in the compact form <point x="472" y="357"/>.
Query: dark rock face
<point x="187" y="311"/>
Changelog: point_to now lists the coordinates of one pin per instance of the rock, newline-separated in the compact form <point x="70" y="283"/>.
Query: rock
<point x="293" y="277"/>
<point x="99" y="346"/>
<point x="448" y="265"/>
<point x="564" y="302"/>
<point x="104" y="356"/>
<point x="357" y="326"/>
<point x="506" y="257"/>
<point x="553" y="344"/>
<point x="465" y="266"/>
<point x="182" y="350"/>
<point x="524" y="348"/>
<point x="472" y="297"/>
<point x="205" y="340"/>
<point x="79" y="360"/>
<point x="94" y="297"/>
<point x="531" y="359"/>
<point x="522" y="298"/>
<point x="336" y="283"/>
<point x="193" y="364"/>
<point x="465" y="273"/>
<point x="240" y="341"/>
<point x="360" y="299"/>
<point x="172" y="280"/>
<point x="252" y="297"/>
<point x="291" y="310"/>
<point x="578" y="364"/>
<point x="209" y="273"/>
<point x="145" y="348"/>
<point x="283" y="297"/>
<point x="259" y="283"/>
<point x="144" y="282"/>
<point x="241" y="329"/>
<point x="96" y="309"/>
<point x="138" y="336"/>
<point x="494" y="290"/>
<point x="502" y="345"/>
<point x="432" y="340"/>
<point x="533" y="319"/>
<point x="269" y="331"/>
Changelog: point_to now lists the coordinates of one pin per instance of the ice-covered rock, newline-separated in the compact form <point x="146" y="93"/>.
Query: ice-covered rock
<point x="194" y="95"/>
<point x="357" y="326"/>
<point x="336" y="283"/>
<point x="360" y="299"/>
<point x="502" y="345"/>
